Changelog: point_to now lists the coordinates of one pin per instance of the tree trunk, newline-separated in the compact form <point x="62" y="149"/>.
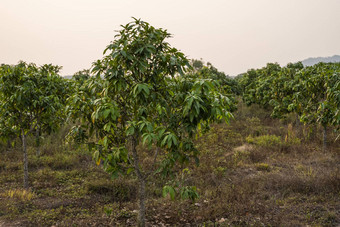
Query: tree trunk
<point x="37" y="137"/>
<point x="25" y="159"/>
<point x="324" y="145"/>
<point x="142" y="182"/>
<point x="297" y="120"/>
<point x="141" y="215"/>
<point x="8" y="148"/>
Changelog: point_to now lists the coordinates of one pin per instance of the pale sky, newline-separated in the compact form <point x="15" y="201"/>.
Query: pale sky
<point x="234" y="35"/>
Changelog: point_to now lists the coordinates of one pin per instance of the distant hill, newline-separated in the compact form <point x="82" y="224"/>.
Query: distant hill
<point x="313" y="61"/>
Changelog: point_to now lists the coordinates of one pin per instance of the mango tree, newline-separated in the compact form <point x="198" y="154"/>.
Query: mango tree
<point x="316" y="96"/>
<point x="146" y="109"/>
<point x="50" y="98"/>
<point x="25" y="103"/>
<point x="228" y="85"/>
<point x="81" y="76"/>
<point x="312" y="92"/>
<point x="257" y="85"/>
<point x="283" y="90"/>
<point x="247" y="84"/>
<point x="333" y="99"/>
<point x="80" y="106"/>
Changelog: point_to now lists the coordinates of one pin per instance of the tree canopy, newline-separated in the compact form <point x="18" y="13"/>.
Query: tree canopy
<point x="147" y="103"/>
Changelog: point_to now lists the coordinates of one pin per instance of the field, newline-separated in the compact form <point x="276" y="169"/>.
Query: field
<point x="256" y="171"/>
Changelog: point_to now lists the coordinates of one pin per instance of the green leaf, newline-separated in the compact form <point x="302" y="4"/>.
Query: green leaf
<point x="106" y="113"/>
<point x="105" y="144"/>
<point x="123" y="53"/>
<point x="130" y="131"/>
<point x="129" y="170"/>
<point x="107" y="127"/>
<point x="164" y="141"/>
<point x="169" y="190"/>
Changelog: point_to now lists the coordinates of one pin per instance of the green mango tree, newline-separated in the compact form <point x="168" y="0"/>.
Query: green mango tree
<point x="247" y="82"/>
<point x="333" y="99"/>
<point x="264" y="84"/>
<point x="29" y="101"/>
<point x="316" y="96"/>
<point x="283" y="90"/>
<point x="147" y="109"/>
<point x="257" y="85"/>
<point x="228" y="85"/>
<point x="81" y="76"/>
<point x="50" y="99"/>
<point x="80" y="106"/>
<point x="311" y="92"/>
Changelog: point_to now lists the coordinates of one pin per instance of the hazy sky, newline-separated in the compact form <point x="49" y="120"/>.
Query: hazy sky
<point x="234" y="35"/>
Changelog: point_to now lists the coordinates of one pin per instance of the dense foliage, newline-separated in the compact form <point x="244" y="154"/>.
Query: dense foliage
<point x="32" y="100"/>
<point x="311" y="92"/>
<point x="145" y="101"/>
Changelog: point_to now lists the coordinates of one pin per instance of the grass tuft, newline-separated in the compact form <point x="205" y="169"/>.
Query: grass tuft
<point x="21" y="194"/>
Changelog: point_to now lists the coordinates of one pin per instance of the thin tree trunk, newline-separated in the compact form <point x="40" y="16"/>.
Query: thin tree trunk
<point x="297" y="120"/>
<point x="324" y="145"/>
<point x="142" y="181"/>
<point x="141" y="218"/>
<point x="25" y="159"/>
<point x="8" y="148"/>
<point x="37" y="137"/>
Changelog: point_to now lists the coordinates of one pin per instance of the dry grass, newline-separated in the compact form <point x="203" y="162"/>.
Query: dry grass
<point x="21" y="194"/>
<point x="282" y="179"/>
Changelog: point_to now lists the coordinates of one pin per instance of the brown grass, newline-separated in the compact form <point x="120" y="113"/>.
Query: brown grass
<point x="240" y="184"/>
